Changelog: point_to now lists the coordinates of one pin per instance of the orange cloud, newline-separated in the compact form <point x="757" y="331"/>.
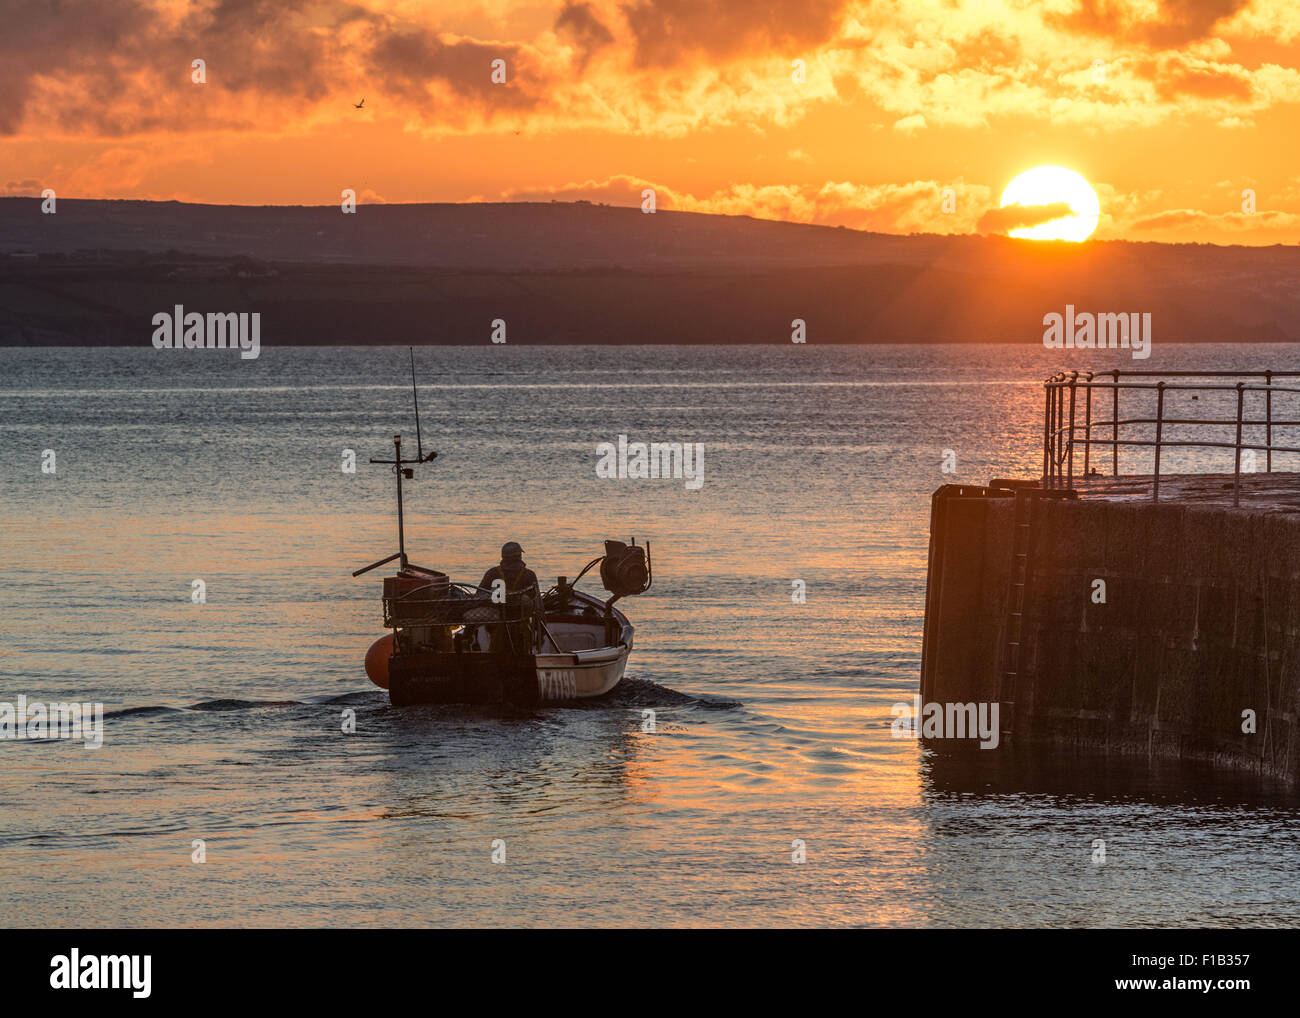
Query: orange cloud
<point x="666" y="33"/>
<point x="21" y="189"/>
<point x="916" y="207"/>
<point x="1195" y="224"/>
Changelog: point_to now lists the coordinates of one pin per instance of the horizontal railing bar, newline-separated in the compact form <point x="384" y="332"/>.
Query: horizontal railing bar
<point x="1227" y="422"/>
<point x="1188" y="374"/>
<point x="1188" y="445"/>
<point x="1063" y="435"/>
<point x="1147" y="386"/>
<point x="1064" y="431"/>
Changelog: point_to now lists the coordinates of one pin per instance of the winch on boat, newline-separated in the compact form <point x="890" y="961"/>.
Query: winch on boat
<point x="456" y="643"/>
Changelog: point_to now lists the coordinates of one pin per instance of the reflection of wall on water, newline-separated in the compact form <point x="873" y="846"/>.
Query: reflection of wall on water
<point x="1088" y="840"/>
<point x="951" y="770"/>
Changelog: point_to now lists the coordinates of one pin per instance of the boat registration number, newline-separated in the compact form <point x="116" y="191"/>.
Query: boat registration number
<point x="558" y="683"/>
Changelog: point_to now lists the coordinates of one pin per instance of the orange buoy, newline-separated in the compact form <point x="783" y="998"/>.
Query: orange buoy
<point x="377" y="660"/>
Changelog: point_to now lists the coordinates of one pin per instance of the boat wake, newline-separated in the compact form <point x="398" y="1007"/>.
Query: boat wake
<point x="628" y="694"/>
<point x="242" y="704"/>
<point x="644" y="693"/>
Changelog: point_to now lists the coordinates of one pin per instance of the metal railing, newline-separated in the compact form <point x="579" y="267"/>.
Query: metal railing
<point x="1070" y="424"/>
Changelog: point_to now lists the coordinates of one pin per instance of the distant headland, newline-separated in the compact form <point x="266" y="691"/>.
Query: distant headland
<point x="96" y="272"/>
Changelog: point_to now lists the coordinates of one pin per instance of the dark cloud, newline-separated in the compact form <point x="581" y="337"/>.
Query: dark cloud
<point x="1011" y="217"/>
<point x="119" y="67"/>
<point x="579" y="25"/>
<point x="1185" y="20"/>
<point x="670" y="32"/>
<point x="411" y="63"/>
<point x="37" y="42"/>
<point x="1179" y="21"/>
<point x="264" y="46"/>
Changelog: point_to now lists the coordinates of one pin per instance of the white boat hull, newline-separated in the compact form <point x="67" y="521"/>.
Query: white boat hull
<point x="563" y="677"/>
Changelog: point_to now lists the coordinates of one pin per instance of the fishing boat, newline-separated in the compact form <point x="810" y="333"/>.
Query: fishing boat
<point x="456" y="643"/>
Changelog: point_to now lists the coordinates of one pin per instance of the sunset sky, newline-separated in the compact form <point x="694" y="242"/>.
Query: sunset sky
<point x="1170" y="109"/>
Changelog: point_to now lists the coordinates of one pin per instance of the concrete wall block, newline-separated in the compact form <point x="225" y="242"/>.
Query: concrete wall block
<point x="1215" y="617"/>
<point x="1208" y="556"/>
<point x="1056" y="597"/>
<point x="1102" y="662"/>
<point x="1281" y="536"/>
<point x="1184" y="684"/>
<point x="1227" y="687"/>
<point x="1125" y="536"/>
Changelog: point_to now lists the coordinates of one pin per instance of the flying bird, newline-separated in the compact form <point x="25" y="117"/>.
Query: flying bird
<point x="357" y="106"/>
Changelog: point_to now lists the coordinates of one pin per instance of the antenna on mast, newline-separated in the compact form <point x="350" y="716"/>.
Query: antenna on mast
<point x="415" y="395"/>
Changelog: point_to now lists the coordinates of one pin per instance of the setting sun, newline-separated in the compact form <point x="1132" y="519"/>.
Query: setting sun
<point x="1054" y="185"/>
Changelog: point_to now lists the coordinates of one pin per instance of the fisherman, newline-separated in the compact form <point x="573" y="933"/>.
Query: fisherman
<point x="518" y="580"/>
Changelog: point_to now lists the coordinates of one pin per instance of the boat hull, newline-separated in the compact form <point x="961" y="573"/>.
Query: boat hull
<point x="526" y="680"/>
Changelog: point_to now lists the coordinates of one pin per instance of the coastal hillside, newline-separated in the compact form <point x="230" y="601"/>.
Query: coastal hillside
<point x="97" y="271"/>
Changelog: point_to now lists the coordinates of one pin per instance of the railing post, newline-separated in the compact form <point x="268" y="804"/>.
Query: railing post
<point x="1069" y="482"/>
<point x="1053" y="415"/>
<point x="1160" y="420"/>
<point x="1268" y="418"/>
<point x="1236" y="473"/>
<point x="1114" y="429"/>
<point x="1058" y="439"/>
<point x="1047" y="429"/>
<point x="1087" y="426"/>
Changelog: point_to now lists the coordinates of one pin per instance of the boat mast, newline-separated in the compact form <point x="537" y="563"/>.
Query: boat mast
<point x="401" y="523"/>
<point x="401" y="469"/>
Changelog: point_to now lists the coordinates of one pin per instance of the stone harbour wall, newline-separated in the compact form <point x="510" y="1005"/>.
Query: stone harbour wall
<point x="1196" y="623"/>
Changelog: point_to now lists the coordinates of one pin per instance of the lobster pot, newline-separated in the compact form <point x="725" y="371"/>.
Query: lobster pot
<point x="410" y="596"/>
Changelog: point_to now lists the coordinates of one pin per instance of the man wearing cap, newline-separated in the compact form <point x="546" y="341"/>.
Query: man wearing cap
<point x="519" y="580"/>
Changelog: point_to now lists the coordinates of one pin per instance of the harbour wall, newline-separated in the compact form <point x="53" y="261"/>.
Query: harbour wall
<point x="1198" y="621"/>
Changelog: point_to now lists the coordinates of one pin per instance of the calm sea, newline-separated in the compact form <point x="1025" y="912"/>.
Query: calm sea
<point x="772" y="718"/>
